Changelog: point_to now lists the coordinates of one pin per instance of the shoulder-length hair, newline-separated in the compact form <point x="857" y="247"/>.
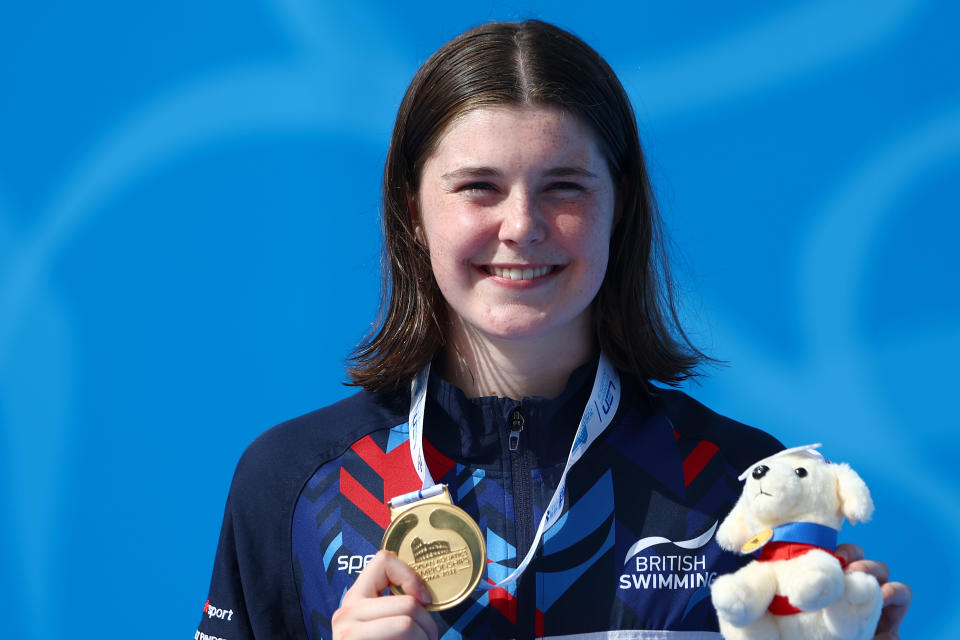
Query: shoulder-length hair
<point x="526" y="63"/>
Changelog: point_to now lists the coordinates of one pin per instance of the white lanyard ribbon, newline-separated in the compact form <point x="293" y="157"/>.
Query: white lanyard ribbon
<point x="600" y="409"/>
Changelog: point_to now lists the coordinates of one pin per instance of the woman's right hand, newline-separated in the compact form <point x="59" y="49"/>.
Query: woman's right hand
<point x="364" y="613"/>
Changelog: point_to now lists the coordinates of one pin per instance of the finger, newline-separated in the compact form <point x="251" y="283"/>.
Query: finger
<point x="897" y="594"/>
<point x="367" y="609"/>
<point x="878" y="570"/>
<point x="896" y="601"/>
<point x="375" y="609"/>
<point x="395" y="628"/>
<point x="850" y="552"/>
<point x="384" y="570"/>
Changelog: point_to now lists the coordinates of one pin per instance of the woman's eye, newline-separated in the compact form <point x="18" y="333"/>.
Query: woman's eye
<point x="566" y="186"/>
<point x="477" y="187"/>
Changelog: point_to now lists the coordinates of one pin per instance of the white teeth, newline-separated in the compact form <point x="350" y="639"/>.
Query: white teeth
<point x="520" y="274"/>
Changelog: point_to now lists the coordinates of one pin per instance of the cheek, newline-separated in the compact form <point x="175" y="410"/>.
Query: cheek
<point x="450" y="234"/>
<point x="451" y="225"/>
<point x="823" y="492"/>
<point x="455" y="244"/>
<point x="445" y="262"/>
<point x="587" y="238"/>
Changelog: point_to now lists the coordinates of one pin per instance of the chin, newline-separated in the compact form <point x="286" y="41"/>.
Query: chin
<point x="515" y="331"/>
<point x="514" y="325"/>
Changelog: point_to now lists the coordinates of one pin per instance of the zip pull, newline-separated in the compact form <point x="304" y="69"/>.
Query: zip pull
<point x="516" y="426"/>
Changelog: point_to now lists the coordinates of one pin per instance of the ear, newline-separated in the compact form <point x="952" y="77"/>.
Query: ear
<point x="856" y="505"/>
<point x="733" y="531"/>
<point x="415" y="217"/>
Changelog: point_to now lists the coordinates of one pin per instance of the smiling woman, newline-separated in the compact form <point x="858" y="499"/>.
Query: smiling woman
<point x="523" y="261"/>
<point x="516" y="208"/>
<point x="524" y="68"/>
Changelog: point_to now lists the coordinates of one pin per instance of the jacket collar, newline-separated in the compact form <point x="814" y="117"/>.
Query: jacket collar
<point x="475" y="431"/>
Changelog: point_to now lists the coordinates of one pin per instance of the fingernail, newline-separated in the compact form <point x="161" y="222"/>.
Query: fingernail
<point x="425" y="596"/>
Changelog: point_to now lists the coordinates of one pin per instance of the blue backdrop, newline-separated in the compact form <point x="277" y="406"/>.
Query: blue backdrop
<point x="189" y="250"/>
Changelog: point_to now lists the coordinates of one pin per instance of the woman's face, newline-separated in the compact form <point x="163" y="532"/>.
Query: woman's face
<point x="516" y="206"/>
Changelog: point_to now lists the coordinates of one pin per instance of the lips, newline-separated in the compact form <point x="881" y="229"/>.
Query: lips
<point x="519" y="273"/>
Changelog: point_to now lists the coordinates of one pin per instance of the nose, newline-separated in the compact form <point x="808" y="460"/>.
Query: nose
<point x="760" y="471"/>
<point x="522" y="223"/>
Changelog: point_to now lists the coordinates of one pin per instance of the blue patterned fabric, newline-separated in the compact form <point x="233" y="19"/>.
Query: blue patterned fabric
<point x="634" y="548"/>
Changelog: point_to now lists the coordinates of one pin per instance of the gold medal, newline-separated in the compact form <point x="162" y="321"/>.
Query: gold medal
<point x="757" y="541"/>
<point x="442" y="543"/>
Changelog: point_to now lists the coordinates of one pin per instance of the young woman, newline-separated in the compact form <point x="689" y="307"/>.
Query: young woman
<point x="528" y="307"/>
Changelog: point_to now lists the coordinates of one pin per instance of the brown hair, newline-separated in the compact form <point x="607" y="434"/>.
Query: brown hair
<point x="526" y="63"/>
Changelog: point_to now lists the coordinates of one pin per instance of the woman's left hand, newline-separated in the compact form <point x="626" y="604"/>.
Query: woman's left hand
<point x="896" y="595"/>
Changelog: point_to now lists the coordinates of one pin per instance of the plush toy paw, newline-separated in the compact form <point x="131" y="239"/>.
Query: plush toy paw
<point x="861" y="589"/>
<point x="816" y="581"/>
<point x="856" y="613"/>
<point x="736" y="601"/>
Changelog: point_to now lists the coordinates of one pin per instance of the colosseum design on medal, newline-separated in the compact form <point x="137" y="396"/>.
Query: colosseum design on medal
<point x="443" y="544"/>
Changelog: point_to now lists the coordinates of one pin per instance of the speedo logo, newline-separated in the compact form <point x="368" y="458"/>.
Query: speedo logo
<point x="352" y="564"/>
<point x="670" y="570"/>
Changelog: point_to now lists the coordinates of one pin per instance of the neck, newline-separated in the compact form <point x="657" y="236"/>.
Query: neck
<point x="484" y="366"/>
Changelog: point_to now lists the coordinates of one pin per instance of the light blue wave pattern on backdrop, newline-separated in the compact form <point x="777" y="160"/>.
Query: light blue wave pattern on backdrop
<point x="189" y="249"/>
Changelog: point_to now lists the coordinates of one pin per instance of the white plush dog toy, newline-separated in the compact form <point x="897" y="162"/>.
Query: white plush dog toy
<point x="791" y="508"/>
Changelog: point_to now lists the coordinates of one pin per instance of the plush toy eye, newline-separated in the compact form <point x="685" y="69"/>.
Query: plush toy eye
<point x="801" y="472"/>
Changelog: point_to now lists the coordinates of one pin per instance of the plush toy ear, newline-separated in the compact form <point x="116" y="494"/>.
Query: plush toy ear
<point x="856" y="505"/>
<point x="733" y="530"/>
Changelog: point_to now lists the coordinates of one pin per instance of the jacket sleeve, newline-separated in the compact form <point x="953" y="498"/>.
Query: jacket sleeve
<point x="253" y="591"/>
<point x="224" y="613"/>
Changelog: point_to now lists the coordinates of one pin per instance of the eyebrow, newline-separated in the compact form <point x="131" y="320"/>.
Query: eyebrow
<point x="566" y="172"/>
<point x="471" y="172"/>
<point x="490" y="172"/>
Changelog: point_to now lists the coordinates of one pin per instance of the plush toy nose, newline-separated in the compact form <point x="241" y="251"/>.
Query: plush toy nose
<point x="760" y="471"/>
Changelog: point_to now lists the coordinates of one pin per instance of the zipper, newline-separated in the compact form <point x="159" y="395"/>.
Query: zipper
<point x="516" y="426"/>
<point x="523" y="521"/>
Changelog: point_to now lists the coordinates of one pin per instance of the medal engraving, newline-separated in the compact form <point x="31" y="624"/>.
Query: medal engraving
<point x="443" y="545"/>
<point x="436" y="560"/>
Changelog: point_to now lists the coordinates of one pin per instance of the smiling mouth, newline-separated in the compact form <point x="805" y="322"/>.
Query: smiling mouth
<point x="763" y="493"/>
<point x="517" y="273"/>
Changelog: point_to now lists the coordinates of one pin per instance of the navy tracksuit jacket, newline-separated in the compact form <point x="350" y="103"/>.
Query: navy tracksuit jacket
<point x="307" y="509"/>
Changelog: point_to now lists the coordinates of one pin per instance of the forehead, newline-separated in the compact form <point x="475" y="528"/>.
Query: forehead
<point x="516" y="134"/>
